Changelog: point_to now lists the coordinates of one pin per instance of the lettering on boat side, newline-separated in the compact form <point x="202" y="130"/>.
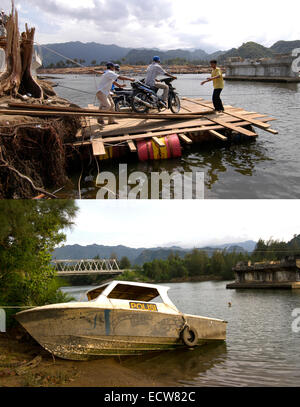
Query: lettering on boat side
<point x="2" y="321"/>
<point x="143" y="307"/>
<point x="107" y="321"/>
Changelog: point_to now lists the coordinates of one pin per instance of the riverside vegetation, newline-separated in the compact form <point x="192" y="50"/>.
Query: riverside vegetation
<point x="197" y="265"/>
<point x="30" y="231"/>
<point x="200" y="265"/>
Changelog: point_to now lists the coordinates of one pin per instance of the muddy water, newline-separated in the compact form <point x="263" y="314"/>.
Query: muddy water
<point x="261" y="348"/>
<point x="266" y="168"/>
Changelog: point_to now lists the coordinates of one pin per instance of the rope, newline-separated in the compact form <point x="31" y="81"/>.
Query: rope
<point x="80" y="178"/>
<point x="78" y="90"/>
<point x="63" y="56"/>
<point x="17" y="307"/>
<point x="69" y="59"/>
<point x="121" y="143"/>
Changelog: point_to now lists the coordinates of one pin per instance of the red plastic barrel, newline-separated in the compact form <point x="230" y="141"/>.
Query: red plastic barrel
<point x="148" y="150"/>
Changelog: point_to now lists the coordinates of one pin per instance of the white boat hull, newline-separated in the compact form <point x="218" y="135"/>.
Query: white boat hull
<point x="86" y="333"/>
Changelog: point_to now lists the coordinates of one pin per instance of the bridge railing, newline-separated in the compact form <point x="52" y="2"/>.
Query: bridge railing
<point x="86" y="266"/>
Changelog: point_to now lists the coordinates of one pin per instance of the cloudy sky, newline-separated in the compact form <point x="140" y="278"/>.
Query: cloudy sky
<point x="165" y="24"/>
<point x="183" y="223"/>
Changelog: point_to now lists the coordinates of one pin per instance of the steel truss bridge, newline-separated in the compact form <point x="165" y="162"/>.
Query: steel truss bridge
<point x="85" y="267"/>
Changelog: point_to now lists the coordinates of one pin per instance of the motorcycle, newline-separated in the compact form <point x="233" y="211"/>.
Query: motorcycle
<point x="144" y="98"/>
<point x="122" y="99"/>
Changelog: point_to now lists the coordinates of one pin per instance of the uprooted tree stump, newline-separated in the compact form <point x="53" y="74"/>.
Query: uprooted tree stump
<point x="17" y="79"/>
<point x="33" y="151"/>
<point x="33" y="155"/>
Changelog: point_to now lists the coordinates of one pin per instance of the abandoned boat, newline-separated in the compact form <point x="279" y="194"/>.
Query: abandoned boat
<point x="118" y="318"/>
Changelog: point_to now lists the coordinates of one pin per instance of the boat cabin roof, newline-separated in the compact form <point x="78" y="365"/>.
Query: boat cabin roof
<point x="123" y="290"/>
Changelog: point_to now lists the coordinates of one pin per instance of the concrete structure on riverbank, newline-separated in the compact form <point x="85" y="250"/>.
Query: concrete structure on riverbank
<point x="280" y="68"/>
<point x="284" y="274"/>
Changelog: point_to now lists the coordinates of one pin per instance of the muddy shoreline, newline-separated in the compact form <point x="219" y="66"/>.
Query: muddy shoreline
<point x="126" y="70"/>
<point x="17" y="347"/>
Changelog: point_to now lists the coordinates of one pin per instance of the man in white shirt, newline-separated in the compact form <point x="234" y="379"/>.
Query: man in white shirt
<point x="3" y="32"/>
<point x="3" y="17"/>
<point x="153" y="71"/>
<point x="108" y="78"/>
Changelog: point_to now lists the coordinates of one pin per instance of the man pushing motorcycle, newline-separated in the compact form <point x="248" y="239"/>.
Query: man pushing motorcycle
<point x="153" y="71"/>
<point x="109" y="77"/>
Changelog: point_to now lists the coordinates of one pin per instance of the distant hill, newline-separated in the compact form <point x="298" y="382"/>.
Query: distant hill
<point x="144" y="56"/>
<point x="247" y="246"/>
<point x="248" y="50"/>
<point x="88" y="52"/>
<point x="158" y="254"/>
<point x="285" y="47"/>
<point x="92" y="51"/>
<point x="77" y="252"/>
<point x="138" y="256"/>
<point x="163" y="253"/>
<point x="216" y="55"/>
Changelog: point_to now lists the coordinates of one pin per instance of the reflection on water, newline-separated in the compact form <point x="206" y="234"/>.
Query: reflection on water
<point x="261" y="348"/>
<point x="265" y="168"/>
<point x="182" y="367"/>
<point x="243" y="158"/>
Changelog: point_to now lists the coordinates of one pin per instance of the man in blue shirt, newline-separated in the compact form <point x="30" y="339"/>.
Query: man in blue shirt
<point x="153" y="71"/>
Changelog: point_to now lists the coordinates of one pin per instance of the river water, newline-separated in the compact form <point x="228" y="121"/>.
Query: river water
<point x="261" y="347"/>
<point x="263" y="169"/>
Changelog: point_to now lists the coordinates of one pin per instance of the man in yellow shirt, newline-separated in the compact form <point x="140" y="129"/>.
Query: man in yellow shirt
<point x="217" y="78"/>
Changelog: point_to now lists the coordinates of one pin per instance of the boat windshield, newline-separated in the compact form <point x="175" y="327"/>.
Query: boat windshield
<point x="92" y="295"/>
<point x="133" y="293"/>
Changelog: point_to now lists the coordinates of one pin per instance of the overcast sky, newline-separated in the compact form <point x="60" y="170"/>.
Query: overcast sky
<point x="183" y="223"/>
<point x="165" y="24"/>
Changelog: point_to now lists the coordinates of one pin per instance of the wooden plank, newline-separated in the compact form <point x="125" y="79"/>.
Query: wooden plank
<point x="158" y="142"/>
<point x="116" y="131"/>
<point x="179" y="127"/>
<point x="79" y="133"/>
<point x="218" y="135"/>
<point x="131" y="145"/>
<point x="118" y="139"/>
<point x="184" y="138"/>
<point x="234" y="128"/>
<point x="99" y="113"/>
<point x="86" y="112"/>
<point x="98" y="147"/>
<point x="272" y="131"/>
<point x="256" y="123"/>
<point x="186" y="109"/>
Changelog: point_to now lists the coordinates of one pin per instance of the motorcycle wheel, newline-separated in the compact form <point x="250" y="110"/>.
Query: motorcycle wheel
<point x="122" y="106"/>
<point x="139" y="107"/>
<point x="175" y="104"/>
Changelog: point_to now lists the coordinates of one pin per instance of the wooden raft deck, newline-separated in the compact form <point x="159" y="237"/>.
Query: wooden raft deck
<point x="128" y="131"/>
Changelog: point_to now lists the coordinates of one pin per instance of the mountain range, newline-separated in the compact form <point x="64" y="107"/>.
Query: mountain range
<point x="141" y="255"/>
<point x="97" y="53"/>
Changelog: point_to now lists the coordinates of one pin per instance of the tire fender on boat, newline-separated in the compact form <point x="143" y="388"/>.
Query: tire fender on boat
<point x="189" y="336"/>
